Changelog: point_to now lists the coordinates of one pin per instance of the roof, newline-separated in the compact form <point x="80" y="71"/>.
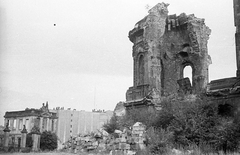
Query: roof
<point x="27" y="112"/>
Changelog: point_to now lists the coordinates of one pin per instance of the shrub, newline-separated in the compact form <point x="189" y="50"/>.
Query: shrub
<point x="182" y="123"/>
<point x="194" y="123"/>
<point x="229" y="137"/>
<point x="48" y="141"/>
<point x="158" y="140"/>
<point x="112" y="125"/>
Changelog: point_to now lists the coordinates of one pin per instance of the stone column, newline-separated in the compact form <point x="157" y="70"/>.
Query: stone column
<point x="47" y="125"/>
<point x="39" y="138"/>
<point x="35" y="142"/>
<point x="6" y="137"/>
<point x="35" y="138"/>
<point x="40" y="124"/>
<point x="50" y="125"/>
<point x="24" y="137"/>
<point x="17" y="124"/>
<point x="55" y="125"/>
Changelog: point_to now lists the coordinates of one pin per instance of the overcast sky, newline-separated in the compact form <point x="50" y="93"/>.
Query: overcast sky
<point x="85" y="60"/>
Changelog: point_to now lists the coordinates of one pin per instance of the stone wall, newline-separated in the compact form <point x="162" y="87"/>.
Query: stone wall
<point x="163" y="45"/>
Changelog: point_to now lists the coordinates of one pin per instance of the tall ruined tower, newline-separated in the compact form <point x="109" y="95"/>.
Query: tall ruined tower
<point x="236" y="5"/>
<point x="163" y="45"/>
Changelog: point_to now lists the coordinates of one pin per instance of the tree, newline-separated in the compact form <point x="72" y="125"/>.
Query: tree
<point x="112" y="125"/>
<point x="48" y="141"/>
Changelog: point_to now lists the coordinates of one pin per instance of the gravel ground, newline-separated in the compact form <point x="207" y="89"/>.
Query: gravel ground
<point x="49" y="153"/>
<point x="32" y="153"/>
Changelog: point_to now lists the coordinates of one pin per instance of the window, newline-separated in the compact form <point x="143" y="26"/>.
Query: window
<point x="187" y="73"/>
<point x="20" y="124"/>
<point x="26" y="123"/>
<point x="14" y="124"/>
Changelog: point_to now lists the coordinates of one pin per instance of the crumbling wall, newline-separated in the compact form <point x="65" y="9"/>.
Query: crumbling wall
<point x="185" y="44"/>
<point x="163" y="45"/>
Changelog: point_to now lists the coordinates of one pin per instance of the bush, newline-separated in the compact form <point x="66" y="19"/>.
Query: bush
<point x="112" y="125"/>
<point x="158" y="140"/>
<point x="182" y="123"/>
<point x="197" y="123"/>
<point x="194" y="123"/>
<point x="229" y="137"/>
<point x="48" y="141"/>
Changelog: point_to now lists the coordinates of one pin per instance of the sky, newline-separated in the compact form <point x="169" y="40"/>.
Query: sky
<point x="76" y="53"/>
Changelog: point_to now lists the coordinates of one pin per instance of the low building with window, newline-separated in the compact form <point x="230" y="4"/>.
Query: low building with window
<point x="43" y="118"/>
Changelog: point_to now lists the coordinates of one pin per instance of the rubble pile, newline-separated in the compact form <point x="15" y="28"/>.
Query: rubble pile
<point x="124" y="142"/>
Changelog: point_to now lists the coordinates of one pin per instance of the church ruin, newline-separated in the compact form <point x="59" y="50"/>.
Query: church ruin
<point x="163" y="46"/>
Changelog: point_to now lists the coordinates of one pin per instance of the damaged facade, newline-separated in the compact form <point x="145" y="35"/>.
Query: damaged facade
<point x="163" y="45"/>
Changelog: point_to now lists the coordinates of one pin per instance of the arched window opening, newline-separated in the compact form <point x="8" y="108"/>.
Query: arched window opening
<point x="187" y="73"/>
<point x="141" y="70"/>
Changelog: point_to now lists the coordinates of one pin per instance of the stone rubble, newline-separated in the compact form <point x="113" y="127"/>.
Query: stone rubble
<point x="125" y="142"/>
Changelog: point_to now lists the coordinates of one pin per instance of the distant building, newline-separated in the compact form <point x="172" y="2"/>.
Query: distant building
<point x="43" y="118"/>
<point x="72" y="123"/>
<point x="65" y="123"/>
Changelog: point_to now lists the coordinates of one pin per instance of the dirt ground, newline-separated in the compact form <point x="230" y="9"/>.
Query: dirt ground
<point x="32" y="153"/>
<point x="49" y="153"/>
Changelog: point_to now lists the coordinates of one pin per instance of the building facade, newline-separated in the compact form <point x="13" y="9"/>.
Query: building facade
<point x="43" y="118"/>
<point x="163" y="46"/>
<point x="71" y="123"/>
<point x="64" y="123"/>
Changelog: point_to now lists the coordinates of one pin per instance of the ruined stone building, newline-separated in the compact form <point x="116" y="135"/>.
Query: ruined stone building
<point x="163" y="45"/>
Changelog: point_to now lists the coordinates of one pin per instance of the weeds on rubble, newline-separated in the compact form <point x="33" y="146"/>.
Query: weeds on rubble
<point x="159" y="141"/>
<point x="186" y="123"/>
